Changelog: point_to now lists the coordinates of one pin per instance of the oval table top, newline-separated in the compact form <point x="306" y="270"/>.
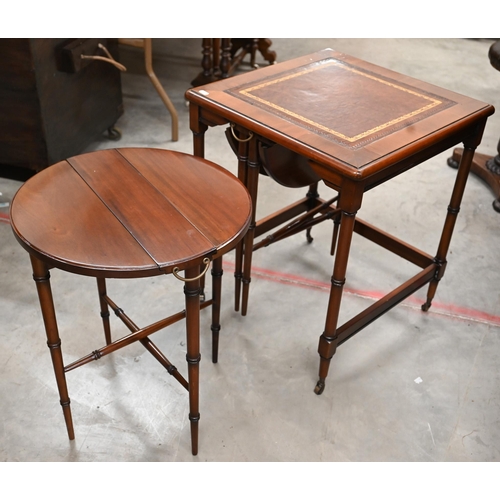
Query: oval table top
<point x="130" y="212"/>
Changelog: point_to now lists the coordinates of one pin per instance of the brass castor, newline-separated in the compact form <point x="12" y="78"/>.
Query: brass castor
<point x="320" y="387"/>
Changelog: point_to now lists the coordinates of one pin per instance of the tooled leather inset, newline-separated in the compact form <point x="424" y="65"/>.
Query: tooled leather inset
<point x="349" y="105"/>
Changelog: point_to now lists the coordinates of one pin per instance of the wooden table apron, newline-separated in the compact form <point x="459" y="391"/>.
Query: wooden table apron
<point x="324" y="107"/>
<point x="131" y="213"/>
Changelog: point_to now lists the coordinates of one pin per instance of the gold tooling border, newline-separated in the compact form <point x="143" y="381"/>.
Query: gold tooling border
<point x="432" y="101"/>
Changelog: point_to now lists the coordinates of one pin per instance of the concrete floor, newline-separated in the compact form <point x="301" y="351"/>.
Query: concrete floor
<point x="411" y="387"/>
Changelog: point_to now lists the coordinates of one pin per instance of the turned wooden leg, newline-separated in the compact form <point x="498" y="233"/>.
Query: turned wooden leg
<point x="312" y="195"/>
<point x="239" y="252"/>
<point x="349" y="203"/>
<point x="486" y="167"/>
<point x="328" y="340"/>
<point x="101" y="287"/>
<point x="238" y="274"/>
<point x="41" y="277"/>
<point x="449" y="224"/>
<point x="216" y="296"/>
<point x="192" y="293"/>
<point x="252" y="176"/>
<point x="493" y="169"/>
<point x="207" y="73"/>
<point x="336" y="224"/>
<point x="225" y="60"/>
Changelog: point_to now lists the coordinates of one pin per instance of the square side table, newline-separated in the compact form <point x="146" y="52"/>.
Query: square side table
<point x="358" y="125"/>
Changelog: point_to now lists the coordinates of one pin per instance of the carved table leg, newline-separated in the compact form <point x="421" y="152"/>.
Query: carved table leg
<point x="41" y="276"/>
<point x="225" y="60"/>
<point x="240" y="47"/>
<point x="263" y="48"/>
<point x="207" y="63"/>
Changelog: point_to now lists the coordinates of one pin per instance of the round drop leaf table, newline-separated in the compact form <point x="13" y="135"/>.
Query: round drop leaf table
<point x="132" y="213"/>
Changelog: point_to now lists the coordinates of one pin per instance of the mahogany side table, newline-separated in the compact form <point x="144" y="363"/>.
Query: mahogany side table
<point x="358" y="125"/>
<point x="132" y="213"/>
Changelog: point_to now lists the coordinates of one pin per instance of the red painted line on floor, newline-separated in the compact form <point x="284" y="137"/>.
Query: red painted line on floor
<point x="442" y="309"/>
<point x="4" y="218"/>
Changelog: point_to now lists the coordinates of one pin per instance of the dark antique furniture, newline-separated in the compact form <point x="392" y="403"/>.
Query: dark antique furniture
<point x="484" y="166"/>
<point x="132" y="213"/>
<point x="54" y="103"/>
<point x="357" y="125"/>
<point x="222" y="56"/>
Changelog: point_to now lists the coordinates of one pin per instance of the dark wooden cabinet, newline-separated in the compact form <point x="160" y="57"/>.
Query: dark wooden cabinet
<point x="47" y="112"/>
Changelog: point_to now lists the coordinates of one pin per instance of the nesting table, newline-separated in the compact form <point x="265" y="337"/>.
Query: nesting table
<point x="132" y="213"/>
<point x="357" y="125"/>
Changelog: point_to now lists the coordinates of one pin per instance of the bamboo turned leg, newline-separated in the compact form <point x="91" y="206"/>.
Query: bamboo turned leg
<point x="239" y="252"/>
<point x="101" y="287"/>
<point x="329" y="339"/>
<point x="238" y="274"/>
<point x="449" y="225"/>
<point x="252" y="177"/>
<point x="192" y="293"/>
<point x="41" y="277"/>
<point x="216" y="297"/>
<point x="336" y="224"/>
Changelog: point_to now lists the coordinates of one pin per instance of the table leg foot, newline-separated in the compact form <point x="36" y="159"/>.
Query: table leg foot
<point x="216" y="296"/>
<point x="237" y="291"/>
<point x="238" y="275"/>
<point x="215" y="343"/>
<point x="245" y="294"/>
<point x="194" y="419"/>
<point x="68" y="419"/>
<point x="426" y="306"/>
<point x="320" y="386"/>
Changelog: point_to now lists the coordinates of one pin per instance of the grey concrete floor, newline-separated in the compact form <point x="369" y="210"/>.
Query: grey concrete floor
<point x="411" y="387"/>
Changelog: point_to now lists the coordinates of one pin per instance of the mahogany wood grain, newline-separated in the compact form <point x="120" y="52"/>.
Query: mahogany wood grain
<point x="111" y="217"/>
<point x="292" y="103"/>
<point x="357" y="125"/>
<point x="129" y="213"/>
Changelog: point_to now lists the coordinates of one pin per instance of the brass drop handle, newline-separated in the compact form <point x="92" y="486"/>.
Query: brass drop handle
<point x="237" y="138"/>
<point x="110" y="59"/>
<point x="175" y="271"/>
